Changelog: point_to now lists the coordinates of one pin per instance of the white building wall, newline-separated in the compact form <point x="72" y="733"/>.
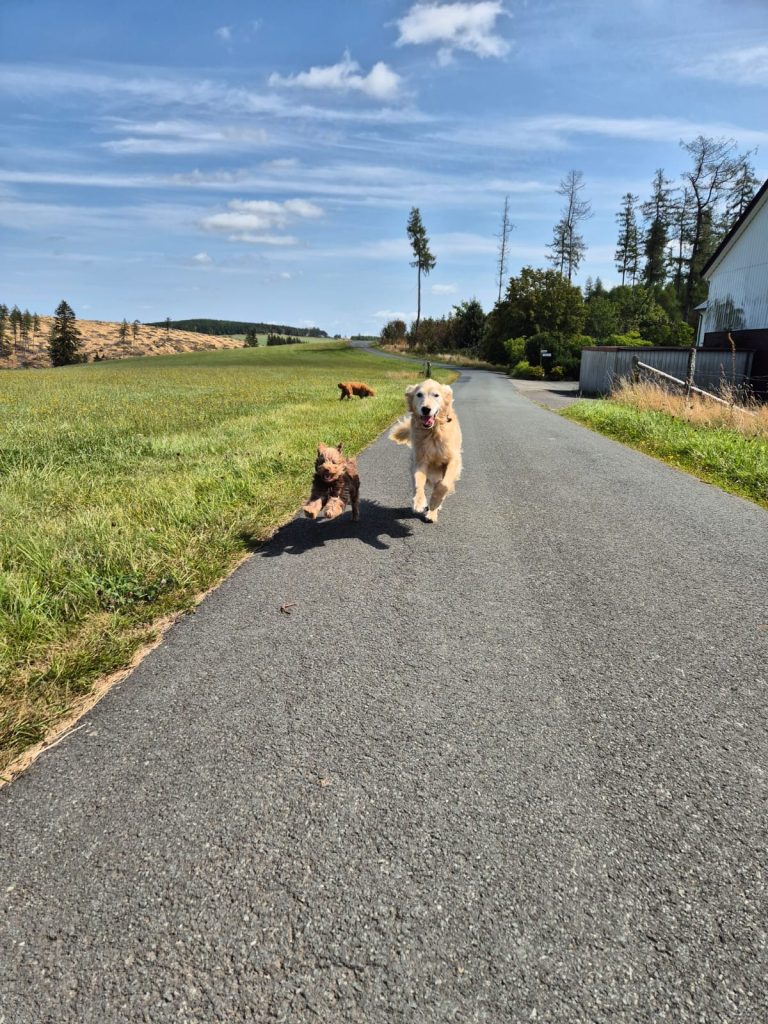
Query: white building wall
<point x="738" y="282"/>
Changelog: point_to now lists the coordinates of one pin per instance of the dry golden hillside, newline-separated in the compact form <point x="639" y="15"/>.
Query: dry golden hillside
<point x="102" y="339"/>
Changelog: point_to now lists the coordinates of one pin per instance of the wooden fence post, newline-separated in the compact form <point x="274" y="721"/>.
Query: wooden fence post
<point x="690" y="373"/>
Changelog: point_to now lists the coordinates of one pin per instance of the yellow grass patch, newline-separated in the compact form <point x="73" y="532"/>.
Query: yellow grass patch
<point x="102" y="338"/>
<point x="751" y="421"/>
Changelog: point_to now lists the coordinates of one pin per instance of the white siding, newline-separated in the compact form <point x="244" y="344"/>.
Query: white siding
<point x="738" y="282"/>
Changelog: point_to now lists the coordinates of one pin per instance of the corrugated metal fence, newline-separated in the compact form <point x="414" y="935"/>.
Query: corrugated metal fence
<point x="602" y="367"/>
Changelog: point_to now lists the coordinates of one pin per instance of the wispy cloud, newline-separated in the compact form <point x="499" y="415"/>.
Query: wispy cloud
<point x="443" y="289"/>
<point x="218" y="98"/>
<point x="185" y="136"/>
<point x="254" y="220"/>
<point x="381" y="82"/>
<point x="555" y="131"/>
<point x="746" y="65"/>
<point x="224" y="33"/>
<point x="393" y="314"/>
<point x="455" y="26"/>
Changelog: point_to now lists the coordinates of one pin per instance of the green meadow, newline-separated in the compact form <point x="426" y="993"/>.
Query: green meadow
<point x="127" y="488"/>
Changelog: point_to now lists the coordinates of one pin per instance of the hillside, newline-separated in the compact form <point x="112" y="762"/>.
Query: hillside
<point x="203" y="325"/>
<point x="101" y="339"/>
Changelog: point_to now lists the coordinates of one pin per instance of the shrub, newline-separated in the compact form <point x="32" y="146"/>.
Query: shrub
<point x="515" y="349"/>
<point x="556" y="373"/>
<point x="526" y="371"/>
<point x="631" y="339"/>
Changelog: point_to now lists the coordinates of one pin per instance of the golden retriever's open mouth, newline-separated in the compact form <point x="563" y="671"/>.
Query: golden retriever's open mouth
<point x="428" y="420"/>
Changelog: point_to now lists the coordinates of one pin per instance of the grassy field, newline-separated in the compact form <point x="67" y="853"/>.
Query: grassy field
<point x="127" y="488"/>
<point x="726" y="447"/>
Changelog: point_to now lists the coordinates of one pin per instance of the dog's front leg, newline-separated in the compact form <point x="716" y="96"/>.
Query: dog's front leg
<point x="443" y="488"/>
<point x="419" y="497"/>
<point x="312" y="508"/>
<point x="334" y="507"/>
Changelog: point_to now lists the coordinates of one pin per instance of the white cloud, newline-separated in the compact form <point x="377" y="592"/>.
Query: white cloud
<point x="224" y="33"/>
<point x="393" y="314"/>
<point x="443" y="289"/>
<point x="456" y="26"/>
<point x="196" y="93"/>
<point x="184" y="136"/>
<point x="745" y="66"/>
<point x="247" y="236"/>
<point x="303" y="208"/>
<point x="202" y="258"/>
<point x="381" y="82"/>
<point x="253" y="220"/>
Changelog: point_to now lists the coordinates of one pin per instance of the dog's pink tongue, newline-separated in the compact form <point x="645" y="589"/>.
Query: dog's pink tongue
<point x="428" y="421"/>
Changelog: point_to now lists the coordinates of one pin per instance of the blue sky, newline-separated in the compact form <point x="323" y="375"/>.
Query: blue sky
<point x="258" y="161"/>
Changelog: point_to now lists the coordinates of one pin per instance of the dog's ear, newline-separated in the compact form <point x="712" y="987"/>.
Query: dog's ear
<point x="410" y="391"/>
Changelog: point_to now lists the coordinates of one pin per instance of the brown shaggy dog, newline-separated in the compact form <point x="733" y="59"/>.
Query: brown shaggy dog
<point x="335" y="484"/>
<point x="355" y="387"/>
<point x="432" y="430"/>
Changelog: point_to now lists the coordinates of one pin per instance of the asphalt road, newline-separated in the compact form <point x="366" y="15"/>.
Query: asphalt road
<point x="507" y="768"/>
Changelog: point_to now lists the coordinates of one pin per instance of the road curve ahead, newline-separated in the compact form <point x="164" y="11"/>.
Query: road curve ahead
<point x="507" y="768"/>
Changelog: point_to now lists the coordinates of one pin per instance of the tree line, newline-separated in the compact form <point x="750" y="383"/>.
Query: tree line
<point x="17" y="330"/>
<point x="226" y="328"/>
<point x="662" y="246"/>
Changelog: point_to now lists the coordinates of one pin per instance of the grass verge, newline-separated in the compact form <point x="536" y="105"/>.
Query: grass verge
<point x="127" y="488"/>
<point x="716" y="452"/>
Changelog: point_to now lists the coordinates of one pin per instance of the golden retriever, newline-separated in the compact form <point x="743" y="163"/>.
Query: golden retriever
<point x="432" y="430"/>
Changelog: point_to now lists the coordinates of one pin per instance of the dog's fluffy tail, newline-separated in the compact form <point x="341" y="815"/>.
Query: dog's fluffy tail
<point x="401" y="432"/>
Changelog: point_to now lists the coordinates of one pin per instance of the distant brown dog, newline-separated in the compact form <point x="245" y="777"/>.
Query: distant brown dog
<point x="355" y="387"/>
<point x="336" y="484"/>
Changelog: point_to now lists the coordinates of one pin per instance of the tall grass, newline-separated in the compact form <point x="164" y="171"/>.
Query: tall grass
<point x="724" y="445"/>
<point x="751" y="420"/>
<point x="127" y="488"/>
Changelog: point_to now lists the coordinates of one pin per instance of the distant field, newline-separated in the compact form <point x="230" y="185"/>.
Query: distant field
<point x="127" y="488"/>
<point x="102" y="338"/>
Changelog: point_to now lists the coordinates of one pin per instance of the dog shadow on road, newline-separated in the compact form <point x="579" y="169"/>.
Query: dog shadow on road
<point x="376" y="525"/>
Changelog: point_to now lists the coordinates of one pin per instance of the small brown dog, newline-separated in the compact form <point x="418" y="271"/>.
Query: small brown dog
<point x="335" y="484"/>
<point x="355" y="387"/>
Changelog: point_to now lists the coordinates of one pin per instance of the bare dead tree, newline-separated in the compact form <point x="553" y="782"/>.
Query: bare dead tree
<point x="506" y="228"/>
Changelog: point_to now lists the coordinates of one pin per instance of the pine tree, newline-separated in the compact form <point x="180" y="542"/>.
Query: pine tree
<point x="64" y="343"/>
<point x="122" y="332"/>
<point x="741" y="194"/>
<point x="5" y="345"/>
<point x="657" y="212"/>
<point x="15" y="321"/>
<point x="711" y="180"/>
<point x="627" y="254"/>
<point x="135" y="329"/>
<point x="423" y="259"/>
<point x="567" y="245"/>
<point x="504" y="232"/>
<point x="681" y="225"/>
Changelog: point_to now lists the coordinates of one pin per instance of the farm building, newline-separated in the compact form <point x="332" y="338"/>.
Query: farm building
<point x="603" y="367"/>
<point x="737" y="303"/>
